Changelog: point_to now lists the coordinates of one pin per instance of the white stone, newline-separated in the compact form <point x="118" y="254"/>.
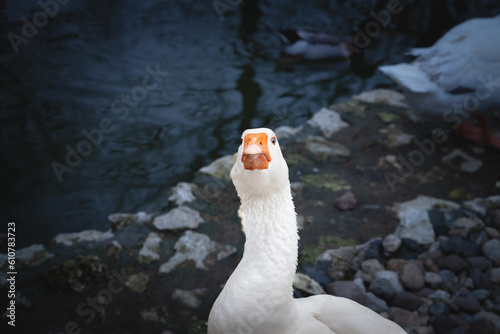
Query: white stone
<point x="190" y="298"/>
<point x="306" y="284"/>
<point x="32" y="255"/>
<point x="482" y="205"/>
<point x="414" y="220"/>
<point x="392" y="277"/>
<point x="220" y="168"/>
<point x="287" y="131"/>
<point x="150" y="250"/>
<point x="196" y="247"/>
<point x="143" y="217"/>
<point x="181" y="217"/>
<point x="467" y="163"/>
<point x="114" y="249"/>
<point x="182" y="193"/>
<point x="328" y="121"/>
<point x="69" y="239"/>
<point x="382" y="96"/>
<point x="322" y="147"/>
<point x="395" y="137"/>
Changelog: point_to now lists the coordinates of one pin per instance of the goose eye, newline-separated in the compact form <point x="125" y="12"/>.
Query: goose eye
<point x="273" y="140"/>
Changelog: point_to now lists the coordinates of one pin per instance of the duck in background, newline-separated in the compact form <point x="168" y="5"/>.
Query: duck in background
<point x="312" y="44"/>
<point x="455" y="78"/>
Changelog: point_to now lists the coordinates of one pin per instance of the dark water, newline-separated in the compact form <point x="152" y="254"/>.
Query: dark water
<point x="90" y="67"/>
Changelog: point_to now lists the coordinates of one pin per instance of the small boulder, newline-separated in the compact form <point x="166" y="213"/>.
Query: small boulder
<point x="32" y="255"/>
<point x="178" y="218"/>
<point x="346" y="202"/>
<point x="391" y="244"/>
<point x="406" y="300"/>
<point x="382" y="288"/>
<point x="327" y="121"/>
<point x="70" y="239"/>
<point x="150" y="250"/>
<point x="412" y="277"/>
<point x="467" y="302"/>
<point x="452" y="262"/>
<point x="491" y="249"/>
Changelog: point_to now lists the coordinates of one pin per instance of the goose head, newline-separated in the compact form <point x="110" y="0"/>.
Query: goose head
<point x="260" y="167"/>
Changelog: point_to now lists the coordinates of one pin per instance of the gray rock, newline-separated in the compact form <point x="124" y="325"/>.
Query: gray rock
<point x="495" y="275"/>
<point x="480" y="279"/>
<point x="32" y="255"/>
<point x="392" y="277"/>
<point x="346" y="289"/>
<point x="150" y="250"/>
<point x="382" y="288"/>
<point x="137" y="282"/>
<point x="328" y="121"/>
<point x="69" y="239"/>
<point x="478" y="262"/>
<point x="306" y="284"/>
<point x="346" y="202"/>
<point x="326" y="149"/>
<point x="482" y="205"/>
<point x="156" y="314"/>
<point x="465" y="226"/>
<point x="491" y="249"/>
<point x="190" y="298"/>
<point x="439" y="295"/>
<point x="394" y="137"/>
<point x="391" y="244"/>
<point x="113" y="249"/>
<point x="452" y="262"/>
<point x="459" y="246"/>
<point x="483" y="326"/>
<point x="196" y="247"/>
<point x="481" y="294"/>
<point x="487" y="315"/>
<point x="287" y="131"/>
<point x="406" y="300"/>
<point x="371" y="266"/>
<point x="219" y="168"/>
<point x="182" y="193"/>
<point x="414" y="221"/>
<point x="491" y="231"/>
<point x="178" y="218"/>
<point x="467" y="302"/>
<point x="412" y="277"/>
<point x="433" y="279"/>
<point x="344" y="258"/>
<point x="374" y="303"/>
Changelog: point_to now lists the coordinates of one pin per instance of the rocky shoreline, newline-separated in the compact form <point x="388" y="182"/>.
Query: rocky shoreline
<point x="432" y="264"/>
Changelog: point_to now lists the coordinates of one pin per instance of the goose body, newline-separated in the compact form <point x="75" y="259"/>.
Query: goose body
<point x="258" y="296"/>
<point x="312" y="44"/>
<point x="455" y="78"/>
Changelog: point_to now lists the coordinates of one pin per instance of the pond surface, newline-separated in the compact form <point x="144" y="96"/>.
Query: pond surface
<point x="148" y="92"/>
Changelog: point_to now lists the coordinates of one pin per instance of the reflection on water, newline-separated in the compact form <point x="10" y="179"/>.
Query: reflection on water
<point x="87" y="68"/>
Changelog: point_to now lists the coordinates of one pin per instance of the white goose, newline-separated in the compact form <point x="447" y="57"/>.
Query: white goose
<point x="258" y="297"/>
<point x="456" y="77"/>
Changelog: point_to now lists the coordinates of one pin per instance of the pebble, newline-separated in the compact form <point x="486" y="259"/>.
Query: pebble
<point x="190" y="298"/>
<point x="328" y="121"/>
<point x="495" y="275"/>
<point x="392" y="277"/>
<point x="459" y="246"/>
<point x="150" y="250"/>
<point x="411" y="277"/>
<point x="371" y="266"/>
<point x="452" y="262"/>
<point x="406" y="300"/>
<point x="495" y="218"/>
<point x="467" y="302"/>
<point x="480" y="279"/>
<point x="491" y="249"/>
<point x="182" y="193"/>
<point x="382" y="288"/>
<point x="346" y="202"/>
<point x="306" y="284"/>
<point x="433" y="279"/>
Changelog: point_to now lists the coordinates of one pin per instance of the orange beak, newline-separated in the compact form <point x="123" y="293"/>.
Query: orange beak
<point x="255" y="151"/>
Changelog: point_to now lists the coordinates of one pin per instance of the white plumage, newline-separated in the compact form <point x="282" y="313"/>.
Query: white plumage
<point x="258" y="297"/>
